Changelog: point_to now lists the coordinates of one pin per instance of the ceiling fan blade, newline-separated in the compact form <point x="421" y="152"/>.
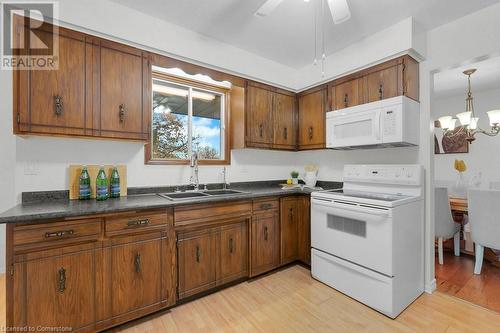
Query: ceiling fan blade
<point x="267" y="7"/>
<point x="339" y="10"/>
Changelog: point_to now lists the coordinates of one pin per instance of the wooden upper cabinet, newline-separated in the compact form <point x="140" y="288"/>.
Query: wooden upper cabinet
<point x="382" y="84"/>
<point x="284" y="121"/>
<point x="55" y="291"/>
<point x="121" y="93"/>
<point x="312" y="118"/>
<point x="259" y="126"/>
<point x="347" y="94"/>
<point x="53" y="101"/>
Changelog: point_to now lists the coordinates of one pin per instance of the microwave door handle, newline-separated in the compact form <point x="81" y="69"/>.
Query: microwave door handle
<point x="378" y="130"/>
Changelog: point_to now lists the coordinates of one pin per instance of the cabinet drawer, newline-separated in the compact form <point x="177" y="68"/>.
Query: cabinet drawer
<point x="137" y="222"/>
<point x="265" y="204"/>
<point x="40" y="235"/>
<point x="210" y="213"/>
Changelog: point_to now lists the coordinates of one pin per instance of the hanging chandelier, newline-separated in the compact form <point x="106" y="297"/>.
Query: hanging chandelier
<point x="468" y="119"/>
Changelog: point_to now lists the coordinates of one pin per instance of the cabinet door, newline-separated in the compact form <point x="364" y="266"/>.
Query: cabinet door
<point x="347" y="94"/>
<point x="284" y="119"/>
<point x="121" y="107"/>
<point x="289" y="229"/>
<point x="136" y="271"/>
<point x="312" y="118"/>
<point x="196" y="261"/>
<point x="56" y="291"/>
<point x="233" y="252"/>
<point x="264" y="243"/>
<point x="382" y="84"/>
<point x="57" y="97"/>
<point x="259" y="117"/>
<point x="304" y="229"/>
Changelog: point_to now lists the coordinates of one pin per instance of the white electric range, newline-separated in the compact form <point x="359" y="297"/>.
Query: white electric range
<point x="367" y="238"/>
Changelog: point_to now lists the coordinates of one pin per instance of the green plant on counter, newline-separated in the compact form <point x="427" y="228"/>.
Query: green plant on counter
<point x="294" y="174"/>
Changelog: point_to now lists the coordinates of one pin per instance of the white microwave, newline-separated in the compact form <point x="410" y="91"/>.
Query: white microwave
<point x="392" y="122"/>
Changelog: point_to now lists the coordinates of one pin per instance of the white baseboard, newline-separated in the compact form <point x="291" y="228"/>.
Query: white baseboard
<point x="430" y="286"/>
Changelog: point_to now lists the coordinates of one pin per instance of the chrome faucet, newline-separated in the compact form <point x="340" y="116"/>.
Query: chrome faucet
<point x="193" y="164"/>
<point x="224" y="174"/>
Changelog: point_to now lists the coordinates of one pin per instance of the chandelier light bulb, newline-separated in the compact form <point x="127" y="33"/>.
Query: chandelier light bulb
<point x="494" y="116"/>
<point x="465" y="118"/>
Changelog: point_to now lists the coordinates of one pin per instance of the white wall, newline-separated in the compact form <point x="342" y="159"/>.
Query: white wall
<point x="483" y="154"/>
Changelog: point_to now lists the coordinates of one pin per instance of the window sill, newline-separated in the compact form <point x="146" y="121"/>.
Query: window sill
<point x="186" y="162"/>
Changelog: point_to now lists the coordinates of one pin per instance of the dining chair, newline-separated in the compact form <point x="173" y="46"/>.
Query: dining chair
<point x="445" y="227"/>
<point x="484" y="222"/>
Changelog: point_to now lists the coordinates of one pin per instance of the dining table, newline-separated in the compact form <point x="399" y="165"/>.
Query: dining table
<point x="460" y="209"/>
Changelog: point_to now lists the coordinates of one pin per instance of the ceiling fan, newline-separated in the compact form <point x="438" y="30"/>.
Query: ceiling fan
<point x="339" y="9"/>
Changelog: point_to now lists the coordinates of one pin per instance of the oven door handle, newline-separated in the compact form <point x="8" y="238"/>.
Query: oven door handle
<point x="354" y="212"/>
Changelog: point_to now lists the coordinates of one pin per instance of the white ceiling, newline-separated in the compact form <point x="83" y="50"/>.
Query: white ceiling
<point x="287" y="34"/>
<point x="453" y="82"/>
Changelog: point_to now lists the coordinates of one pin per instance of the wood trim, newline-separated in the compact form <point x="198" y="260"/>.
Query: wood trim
<point x="227" y="121"/>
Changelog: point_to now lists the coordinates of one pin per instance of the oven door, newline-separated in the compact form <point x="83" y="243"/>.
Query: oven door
<point x="361" y="234"/>
<point x="359" y="128"/>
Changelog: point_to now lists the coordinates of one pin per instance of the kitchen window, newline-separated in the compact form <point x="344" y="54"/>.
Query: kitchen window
<point x="187" y="116"/>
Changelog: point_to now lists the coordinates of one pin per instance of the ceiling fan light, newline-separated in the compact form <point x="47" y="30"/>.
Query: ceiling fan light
<point x="494" y="116"/>
<point x="465" y="118"/>
<point x="339" y="10"/>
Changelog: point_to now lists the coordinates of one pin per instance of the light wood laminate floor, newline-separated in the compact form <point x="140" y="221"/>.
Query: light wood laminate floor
<point x="291" y="301"/>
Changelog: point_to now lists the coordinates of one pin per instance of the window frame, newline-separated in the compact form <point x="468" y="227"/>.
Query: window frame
<point x="226" y="158"/>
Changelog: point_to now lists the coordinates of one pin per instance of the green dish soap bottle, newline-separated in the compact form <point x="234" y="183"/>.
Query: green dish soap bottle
<point x="84" y="184"/>
<point x="101" y="185"/>
<point x="114" y="184"/>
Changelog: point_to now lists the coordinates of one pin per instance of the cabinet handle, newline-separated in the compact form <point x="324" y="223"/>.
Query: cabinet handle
<point x="58" y="105"/>
<point x="261" y="130"/>
<point x="381" y="91"/>
<point x="346" y="100"/>
<point x="137" y="263"/>
<point x="197" y="253"/>
<point x="230" y="245"/>
<point x="58" y="233"/>
<point x="290" y="215"/>
<point x="62" y="280"/>
<point x="310" y="133"/>
<point x="265" y="233"/>
<point x="285" y="133"/>
<point x="137" y="223"/>
<point x="121" y="113"/>
<point x="266" y="206"/>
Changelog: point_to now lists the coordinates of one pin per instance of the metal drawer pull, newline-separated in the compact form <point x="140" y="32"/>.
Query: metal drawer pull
<point x="137" y="263"/>
<point x="346" y="100"/>
<point x="266" y="206"/>
<point x="290" y="215"/>
<point x="137" y="223"/>
<point x="197" y="253"/>
<point x="310" y="133"/>
<point x="58" y="106"/>
<point x="265" y="233"/>
<point x="261" y="130"/>
<point x="62" y="280"/>
<point x="381" y="91"/>
<point x="285" y="134"/>
<point x="230" y="245"/>
<point x="121" y="113"/>
<point x="59" y="233"/>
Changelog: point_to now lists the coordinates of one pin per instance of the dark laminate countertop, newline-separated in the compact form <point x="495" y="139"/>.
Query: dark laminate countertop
<point x="51" y="208"/>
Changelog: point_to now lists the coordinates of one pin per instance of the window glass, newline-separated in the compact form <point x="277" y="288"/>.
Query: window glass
<point x="207" y="138"/>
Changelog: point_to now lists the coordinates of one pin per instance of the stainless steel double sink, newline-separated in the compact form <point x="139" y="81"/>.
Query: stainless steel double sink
<point x="198" y="194"/>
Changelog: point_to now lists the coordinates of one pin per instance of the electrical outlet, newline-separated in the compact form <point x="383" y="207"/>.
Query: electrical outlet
<point x="31" y="168"/>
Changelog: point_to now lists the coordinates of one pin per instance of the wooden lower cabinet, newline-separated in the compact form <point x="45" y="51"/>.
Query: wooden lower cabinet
<point x="233" y="252"/>
<point x="196" y="260"/>
<point x="212" y="256"/>
<point x="304" y="229"/>
<point x="265" y="246"/>
<point x="53" y="291"/>
<point x="289" y="216"/>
